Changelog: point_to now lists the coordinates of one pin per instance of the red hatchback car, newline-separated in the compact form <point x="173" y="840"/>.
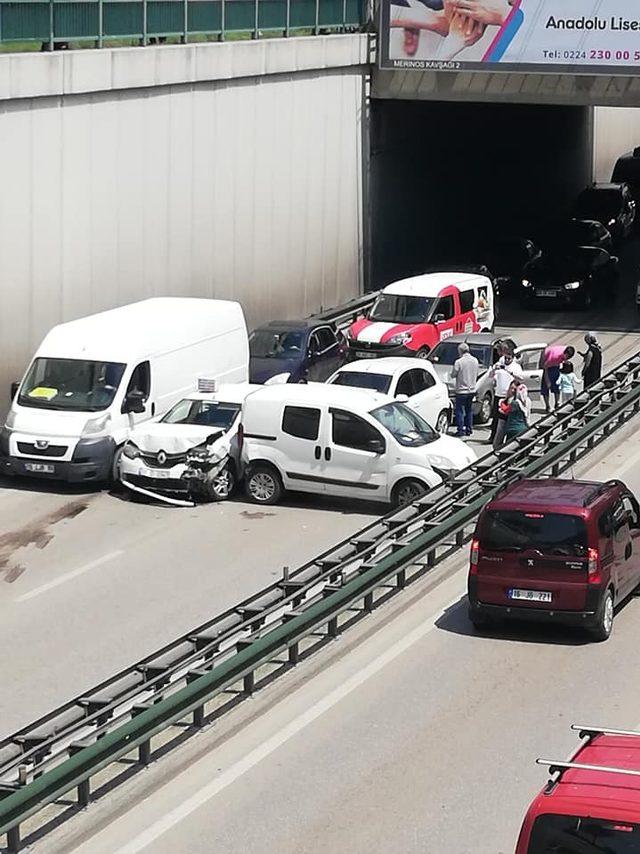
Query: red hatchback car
<point x="564" y="551"/>
<point x="592" y="802"/>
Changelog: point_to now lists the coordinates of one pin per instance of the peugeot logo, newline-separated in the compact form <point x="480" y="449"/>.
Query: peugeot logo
<point x="162" y="457"/>
<point x="42" y="444"/>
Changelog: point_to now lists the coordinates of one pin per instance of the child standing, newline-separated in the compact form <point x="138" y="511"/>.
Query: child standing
<point x="568" y="382"/>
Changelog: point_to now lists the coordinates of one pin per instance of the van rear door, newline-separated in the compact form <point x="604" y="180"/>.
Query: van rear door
<point x="533" y="560"/>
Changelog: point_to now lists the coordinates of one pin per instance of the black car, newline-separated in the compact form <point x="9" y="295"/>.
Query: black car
<point x="563" y="236"/>
<point x="299" y="350"/>
<point x="627" y="170"/>
<point x="611" y="205"/>
<point x="580" y="278"/>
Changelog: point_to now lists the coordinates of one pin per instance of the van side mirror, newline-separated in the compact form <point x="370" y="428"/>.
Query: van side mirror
<point x="15" y="385"/>
<point x="376" y="446"/>
<point x="438" y="318"/>
<point x="134" y="402"/>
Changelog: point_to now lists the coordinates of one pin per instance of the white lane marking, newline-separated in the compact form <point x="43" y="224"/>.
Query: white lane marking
<point x="62" y="579"/>
<point x="175" y="816"/>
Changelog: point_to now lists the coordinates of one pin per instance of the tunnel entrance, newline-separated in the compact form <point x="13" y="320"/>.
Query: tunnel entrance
<point x="447" y="178"/>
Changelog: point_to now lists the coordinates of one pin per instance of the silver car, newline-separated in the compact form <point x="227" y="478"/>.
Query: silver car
<point x="485" y="347"/>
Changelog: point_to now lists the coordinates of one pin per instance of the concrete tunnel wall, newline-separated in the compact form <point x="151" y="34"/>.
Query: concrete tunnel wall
<point x="214" y="170"/>
<point x="448" y="177"/>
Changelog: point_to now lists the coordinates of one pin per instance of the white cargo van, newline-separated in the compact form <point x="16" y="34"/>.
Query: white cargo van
<point x="341" y="441"/>
<point x="93" y="380"/>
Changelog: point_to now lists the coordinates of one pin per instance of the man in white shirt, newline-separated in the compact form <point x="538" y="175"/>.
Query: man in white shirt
<point x="503" y="373"/>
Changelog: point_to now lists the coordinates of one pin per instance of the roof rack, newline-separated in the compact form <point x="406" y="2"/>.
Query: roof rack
<point x="600" y="490"/>
<point x="556" y="767"/>
<point x="590" y="731"/>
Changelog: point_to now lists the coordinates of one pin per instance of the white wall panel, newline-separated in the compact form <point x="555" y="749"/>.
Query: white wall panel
<point x="247" y="189"/>
<point x="616" y="130"/>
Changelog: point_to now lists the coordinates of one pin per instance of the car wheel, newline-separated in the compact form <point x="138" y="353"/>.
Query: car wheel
<point x="263" y="485"/>
<point x="114" y="475"/>
<point x="604" y="626"/>
<point x="442" y="422"/>
<point x="486" y="409"/>
<point x="406" y="492"/>
<point x="422" y="353"/>
<point x="223" y="484"/>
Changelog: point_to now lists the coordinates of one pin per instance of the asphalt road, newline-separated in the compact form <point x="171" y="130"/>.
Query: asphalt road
<point x="90" y="582"/>
<point x="414" y="734"/>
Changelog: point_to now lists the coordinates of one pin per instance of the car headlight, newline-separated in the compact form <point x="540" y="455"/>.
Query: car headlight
<point x="131" y="451"/>
<point x="96" y="425"/>
<point x="611" y="222"/>
<point x="400" y="338"/>
<point x="10" y="423"/>
<point x="526" y="283"/>
<point x="572" y="286"/>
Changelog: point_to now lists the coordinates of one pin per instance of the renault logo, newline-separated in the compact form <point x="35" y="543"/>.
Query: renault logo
<point x="42" y="444"/>
<point x="162" y="457"/>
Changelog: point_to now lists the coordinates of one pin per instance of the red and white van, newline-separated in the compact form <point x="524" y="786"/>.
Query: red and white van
<point x="411" y="316"/>
<point x="592" y="801"/>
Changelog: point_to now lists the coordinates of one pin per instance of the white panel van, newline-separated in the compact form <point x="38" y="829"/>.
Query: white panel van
<point x="341" y="441"/>
<point x="93" y="380"/>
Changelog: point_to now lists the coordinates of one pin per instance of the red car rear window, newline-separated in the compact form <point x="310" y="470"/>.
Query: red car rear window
<point x="566" y="834"/>
<point x="547" y="533"/>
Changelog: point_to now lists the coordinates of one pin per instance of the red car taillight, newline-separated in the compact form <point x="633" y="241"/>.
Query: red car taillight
<point x="475" y="557"/>
<point x="594" y="567"/>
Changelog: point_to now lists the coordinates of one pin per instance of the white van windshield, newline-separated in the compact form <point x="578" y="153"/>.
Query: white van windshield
<point x="405" y="425"/>
<point x="74" y="385"/>
<point x="396" y="308"/>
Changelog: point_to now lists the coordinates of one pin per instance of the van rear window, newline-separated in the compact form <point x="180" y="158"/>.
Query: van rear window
<point x="567" y="834"/>
<point x="548" y="533"/>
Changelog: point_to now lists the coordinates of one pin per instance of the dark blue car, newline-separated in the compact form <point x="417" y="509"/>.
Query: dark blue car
<point x="304" y="349"/>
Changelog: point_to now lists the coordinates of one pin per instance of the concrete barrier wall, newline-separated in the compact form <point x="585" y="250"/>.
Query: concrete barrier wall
<point x="616" y="131"/>
<point x="230" y="171"/>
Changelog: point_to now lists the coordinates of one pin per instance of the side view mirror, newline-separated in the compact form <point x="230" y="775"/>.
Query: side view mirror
<point x="438" y="318"/>
<point x="134" y="402"/>
<point x="402" y="398"/>
<point x="15" y="385"/>
<point x="376" y="446"/>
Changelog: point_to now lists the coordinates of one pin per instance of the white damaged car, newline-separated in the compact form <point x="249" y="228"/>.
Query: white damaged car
<point x="190" y="454"/>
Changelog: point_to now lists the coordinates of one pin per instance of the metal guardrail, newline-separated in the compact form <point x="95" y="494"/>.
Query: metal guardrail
<point x="66" y="748"/>
<point x="345" y="314"/>
<point x="57" y="23"/>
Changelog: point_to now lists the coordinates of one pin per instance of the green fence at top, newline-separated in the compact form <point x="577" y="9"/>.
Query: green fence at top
<point x="53" y="22"/>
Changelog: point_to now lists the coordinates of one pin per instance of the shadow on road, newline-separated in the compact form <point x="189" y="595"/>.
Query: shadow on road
<point x="455" y="621"/>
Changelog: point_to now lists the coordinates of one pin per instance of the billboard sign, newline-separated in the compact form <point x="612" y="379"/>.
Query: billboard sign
<point x="570" y="36"/>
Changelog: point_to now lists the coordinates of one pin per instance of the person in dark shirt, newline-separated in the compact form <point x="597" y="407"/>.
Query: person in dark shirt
<point x="592" y="366"/>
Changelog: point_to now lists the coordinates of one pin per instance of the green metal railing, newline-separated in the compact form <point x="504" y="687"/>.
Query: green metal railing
<point x="56" y="22"/>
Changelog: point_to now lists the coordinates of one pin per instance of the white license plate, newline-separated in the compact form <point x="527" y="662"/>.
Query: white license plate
<point x="545" y="293"/>
<point x="42" y="468"/>
<point x="364" y="355"/>
<point x="157" y="473"/>
<point x="530" y="595"/>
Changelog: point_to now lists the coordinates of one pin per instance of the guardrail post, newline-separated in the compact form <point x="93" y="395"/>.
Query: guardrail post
<point x="460" y="537"/>
<point x="51" y="33"/>
<point x="144" y="749"/>
<point x="249" y="681"/>
<point x="316" y="28"/>
<point x="287" y="27"/>
<point x="431" y="559"/>
<point x="100" y="24"/>
<point x="344" y="16"/>
<point x="198" y="713"/>
<point x="13" y="839"/>
<point x="84" y="787"/>
<point x="184" y="38"/>
<point x="401" y="579"/>
<point x="368" y="602"/>
<point x="145" y="38"/>
<point x="256" y="19"/>
<point x="222" y="20"/>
